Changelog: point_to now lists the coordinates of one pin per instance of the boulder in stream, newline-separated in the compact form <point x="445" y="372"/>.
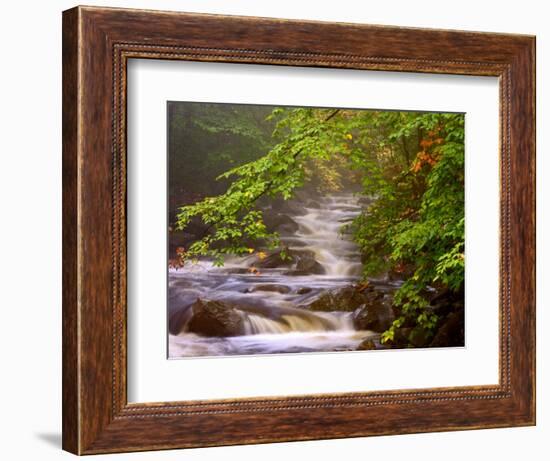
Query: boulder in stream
<point x="275" y="260"/>
<point x="280" y="222"/>
<point x="306" y="264"/>
<point x="298" y="262"/>
<point x="215" y="318"/>
<point x="280" y="205"/>
<point x="366" y="345"/>
<point x="346" y="299"/>
<point x="374" y="316"/>
<point x="274" y="288"/>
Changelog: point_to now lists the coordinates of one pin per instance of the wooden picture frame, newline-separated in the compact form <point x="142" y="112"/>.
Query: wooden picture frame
<point x="97" y="43"/>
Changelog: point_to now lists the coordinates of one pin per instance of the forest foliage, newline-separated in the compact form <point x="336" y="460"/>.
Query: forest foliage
<point x="410" y="163"/>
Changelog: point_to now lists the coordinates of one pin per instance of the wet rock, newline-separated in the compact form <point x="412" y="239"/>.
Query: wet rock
<point x="312" y="204"/>
<point x="276" y="260"/>
<point x="236" y="270"/>
<point x="420" y="337"/>
<point x="284" y="206"/>
<point x="374" y="316"/>
<point x="366" y="345"/>
<point x="306" y="264"/>
<point x="303" y="290"/>
<point x="215" y="318"/>
<point x="283" y="289"/>
<point x="451" y="331"/>
<point x="299" y="262"/>
<point x="280" y="222"/>
<point x="345" y="299"/>
<point x="444" y="303"/>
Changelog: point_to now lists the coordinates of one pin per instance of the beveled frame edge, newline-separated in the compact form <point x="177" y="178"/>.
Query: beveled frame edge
<point x="97" y="42"/>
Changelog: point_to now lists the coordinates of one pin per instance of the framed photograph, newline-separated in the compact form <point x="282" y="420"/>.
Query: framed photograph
<point x="284" y="230"/>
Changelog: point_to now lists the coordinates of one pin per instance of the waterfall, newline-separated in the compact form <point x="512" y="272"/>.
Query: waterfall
<point x="303" y="322"/>
<point x="272" y="302"/>
<point x="320" y="232"/>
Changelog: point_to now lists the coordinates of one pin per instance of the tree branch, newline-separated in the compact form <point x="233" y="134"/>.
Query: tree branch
<point x="268" y="185"/>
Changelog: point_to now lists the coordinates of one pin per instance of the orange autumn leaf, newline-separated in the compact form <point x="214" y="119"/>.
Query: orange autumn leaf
<point x="175" y="263"/>
<point x="424" y="143"/>
<point x="254" y="270"/>
<point x="399" y="268"/>
<point x="423" y="158"/>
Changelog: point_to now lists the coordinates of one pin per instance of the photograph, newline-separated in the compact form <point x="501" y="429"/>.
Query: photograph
<point x="266" y="231"/>
<point x="313" y="229"/>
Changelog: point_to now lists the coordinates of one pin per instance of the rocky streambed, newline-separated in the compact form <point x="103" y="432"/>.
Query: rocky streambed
<point x="263" y="303"/>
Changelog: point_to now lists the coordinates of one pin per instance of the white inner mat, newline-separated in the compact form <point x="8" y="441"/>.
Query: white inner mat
<point x="154" y="378"/>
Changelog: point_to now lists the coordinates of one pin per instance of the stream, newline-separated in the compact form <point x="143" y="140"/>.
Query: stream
<point x="269" y="297"/>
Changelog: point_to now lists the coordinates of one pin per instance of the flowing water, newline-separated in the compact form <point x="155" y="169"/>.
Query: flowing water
<point x="269" y="300"/>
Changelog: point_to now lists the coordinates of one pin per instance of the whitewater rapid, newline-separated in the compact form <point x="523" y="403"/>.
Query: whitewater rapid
<point x="271" y="298"/>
